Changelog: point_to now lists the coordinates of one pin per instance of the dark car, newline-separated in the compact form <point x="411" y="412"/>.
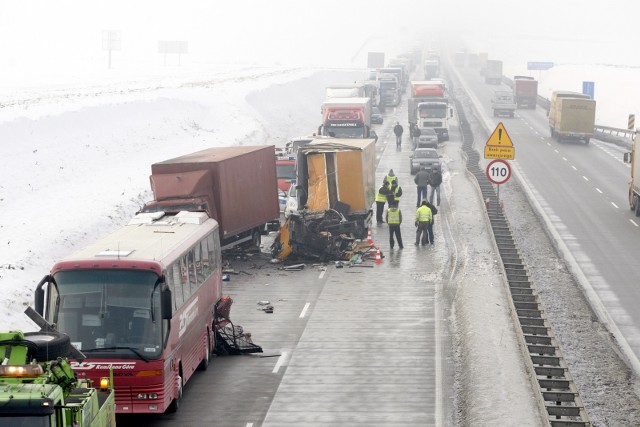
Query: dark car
<point x="376" y="116"/>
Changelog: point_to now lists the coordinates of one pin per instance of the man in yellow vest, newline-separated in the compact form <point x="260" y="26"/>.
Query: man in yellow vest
<point x="381" y="199"/>
<point x="423" y="218"/>
<point x="394" y="219"/>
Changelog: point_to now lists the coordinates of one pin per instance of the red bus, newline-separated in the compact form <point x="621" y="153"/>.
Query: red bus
<point x="141" y="301"/>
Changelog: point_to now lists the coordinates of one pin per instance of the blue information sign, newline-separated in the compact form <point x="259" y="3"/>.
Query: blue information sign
<point x="539" y="65"/>
<point x="588" y="88"/>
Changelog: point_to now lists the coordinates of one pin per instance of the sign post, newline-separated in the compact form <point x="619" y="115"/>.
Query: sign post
<point x="498" y="171"/>
<point x="500" y="148"/>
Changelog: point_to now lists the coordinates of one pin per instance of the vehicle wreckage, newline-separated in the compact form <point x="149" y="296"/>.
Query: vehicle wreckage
<point x="336" y="187"/>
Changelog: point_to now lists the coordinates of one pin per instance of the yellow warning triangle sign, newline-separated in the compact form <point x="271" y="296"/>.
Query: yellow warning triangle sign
<point x="500" y="137"/>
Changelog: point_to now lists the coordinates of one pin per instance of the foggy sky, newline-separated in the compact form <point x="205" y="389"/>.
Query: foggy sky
<point x="44" y="33"/>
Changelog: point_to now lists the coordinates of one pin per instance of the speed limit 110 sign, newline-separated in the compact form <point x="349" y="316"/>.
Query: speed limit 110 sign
<point x="498" y="171"/>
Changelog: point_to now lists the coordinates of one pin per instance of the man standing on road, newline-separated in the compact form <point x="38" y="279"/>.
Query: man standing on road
<point x="436" y="180"/>
<point x="394" y="219"/>
<point x="422" y="179"/>
<point x="397" y="130"/>
<point x="423" y="218"/>
<point x="390" y="178"/>
<point x="381" y="199"/>
<point x="394" y="194"/>
<point x="434" y="211"/>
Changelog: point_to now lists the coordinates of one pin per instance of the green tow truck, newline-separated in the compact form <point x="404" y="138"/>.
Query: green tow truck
<point x="39" y="389"/>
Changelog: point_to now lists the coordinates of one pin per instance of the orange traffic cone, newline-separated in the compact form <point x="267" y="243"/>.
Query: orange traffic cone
<point x="369" y="238"/>
<point x="378" y="257"/>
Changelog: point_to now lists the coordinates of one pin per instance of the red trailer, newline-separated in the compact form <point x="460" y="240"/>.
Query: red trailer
<point x="525" y="90"/>
<point x="236" y="186"/>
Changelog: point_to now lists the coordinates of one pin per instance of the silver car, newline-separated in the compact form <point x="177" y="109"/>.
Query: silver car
<point x="428" y="138"/>
<point x="424" y="158"/>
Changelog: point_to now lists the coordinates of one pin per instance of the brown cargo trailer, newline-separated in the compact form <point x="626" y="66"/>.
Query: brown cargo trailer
<point x="236" y="186"/>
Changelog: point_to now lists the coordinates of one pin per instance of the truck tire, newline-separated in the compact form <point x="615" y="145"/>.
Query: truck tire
<point x="256" y="239"/>
<point x="49" y="345"/>
<point x="633" y="201"/>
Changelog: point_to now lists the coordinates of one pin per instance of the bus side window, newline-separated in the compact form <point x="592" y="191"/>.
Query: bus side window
<point x="193" y="277"/>
<point x="173" y="279"/>
<point x="184" y="276"/>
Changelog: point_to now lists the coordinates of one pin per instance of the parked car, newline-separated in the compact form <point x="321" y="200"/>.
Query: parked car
<point x="292" y="202"/>
<point x="424" y="158"/>
<point x="428" y="138"/>
<point x="376" y="116"/>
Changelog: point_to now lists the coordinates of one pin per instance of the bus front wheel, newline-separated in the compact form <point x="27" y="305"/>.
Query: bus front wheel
<point x="175" y="405"/>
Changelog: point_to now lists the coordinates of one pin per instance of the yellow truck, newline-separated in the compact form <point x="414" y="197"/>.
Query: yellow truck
<point x="572" y="116"/>
<point x="633" y="158"/>
<point x="335" y="193"/>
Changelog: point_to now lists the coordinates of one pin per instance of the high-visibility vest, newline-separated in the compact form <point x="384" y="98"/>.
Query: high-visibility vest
<point x="390" y="179"/>
<point x="397" y="196"/>
<point x="393" y="216"/>
<point x="381" y="197"/>
<point x="423" y="214"/>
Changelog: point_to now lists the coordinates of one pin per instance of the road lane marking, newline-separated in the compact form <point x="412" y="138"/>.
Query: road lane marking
<point x="574" y="168"/>
<point x="633" y="222"/>
<point x="564" y="158"/>
<point x="615" y="206"/>
<point x="321" y="274"/>
<point x="304" y="310"/>
<point x="585" y="178"/>
<point x="598" y="190"/>
<point x="281" y="360"/>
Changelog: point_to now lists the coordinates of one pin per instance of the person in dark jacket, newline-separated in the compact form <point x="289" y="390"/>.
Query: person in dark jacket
<point x="397" y="130"/>
<point x="435" y="181"/>
<point x="381" y="199"/>
<point x="422" y="179"/>
<point x="434" y="211"/>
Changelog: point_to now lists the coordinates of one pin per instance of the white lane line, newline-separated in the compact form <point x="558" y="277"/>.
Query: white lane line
<point x="615" y="206"/>
<point x="321" y="274"/>
<point x="574" y="168"/>
<point x="304" y="310"/>
<point x="557" y="151"/>
<point x="598" y="190"/>
<point x="281" y="360"/>
<point x="633" y="222"/>
<point x="249" y="425"/>
<point x="564" y="158"/>
<point x="585" y="178"/>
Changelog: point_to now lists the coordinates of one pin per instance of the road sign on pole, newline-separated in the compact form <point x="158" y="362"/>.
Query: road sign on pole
<point x="498" y="171"/>
<point x="499" y="145"/>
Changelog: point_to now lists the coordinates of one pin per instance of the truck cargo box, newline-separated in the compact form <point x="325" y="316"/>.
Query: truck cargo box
<point x="241" y="180"/>
<point x="571" y="116"/>
<point x="526" y="91"/>
<point x="338" y="170"/>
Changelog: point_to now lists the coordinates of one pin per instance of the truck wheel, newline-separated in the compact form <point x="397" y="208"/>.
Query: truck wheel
<point x="633" y="201"/>
<point x="256" y="239"/>
<point x="49" y="345"/>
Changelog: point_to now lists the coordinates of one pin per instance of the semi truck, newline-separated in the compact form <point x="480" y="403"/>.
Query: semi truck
<point x="346" y="118"/>
<point x="428" y="107"/>
<point x="389" y="90"/>
<point x="572" y="116"/>
<point x="39" y="388"/>
<point x="493" y="72"/>
<point x="335" y="192"/>
<point x="525" y="89"/>
<point x="503" y="103"/>
<point x="431" y="68"/>
<point x="397" y="71"/>
<point x="236" y="186"/>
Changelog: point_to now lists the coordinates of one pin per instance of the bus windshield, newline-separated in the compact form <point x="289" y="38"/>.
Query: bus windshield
<point x="111" y="313"/>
